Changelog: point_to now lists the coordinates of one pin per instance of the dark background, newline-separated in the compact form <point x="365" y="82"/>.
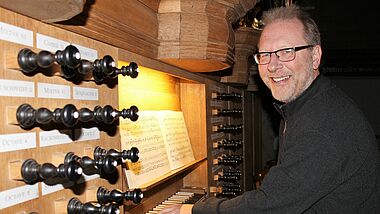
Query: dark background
<point x="349" y="33"/>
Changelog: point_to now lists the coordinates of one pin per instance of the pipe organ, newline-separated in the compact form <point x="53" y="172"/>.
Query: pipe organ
<point x="65" y="98"/>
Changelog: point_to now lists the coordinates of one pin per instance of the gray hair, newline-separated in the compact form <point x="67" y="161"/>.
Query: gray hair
<point x="311" y="31"/>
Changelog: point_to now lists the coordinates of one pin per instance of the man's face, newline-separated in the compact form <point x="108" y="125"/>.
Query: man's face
<point x="287" y="80"/>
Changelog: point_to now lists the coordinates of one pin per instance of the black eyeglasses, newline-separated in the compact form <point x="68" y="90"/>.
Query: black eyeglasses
<point x="284" y="54"/>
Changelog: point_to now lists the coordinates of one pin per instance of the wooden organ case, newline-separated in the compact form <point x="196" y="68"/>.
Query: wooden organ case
<point x="217" y="116"/>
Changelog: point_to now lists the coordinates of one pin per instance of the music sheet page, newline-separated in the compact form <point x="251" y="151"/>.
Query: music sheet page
<point x="163" y="143"/>
<point x="145" y="134"/>
<point x="176" y="138"/>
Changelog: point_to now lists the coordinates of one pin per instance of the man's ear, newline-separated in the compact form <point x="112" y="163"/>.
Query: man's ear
<point x="317" y="55"/>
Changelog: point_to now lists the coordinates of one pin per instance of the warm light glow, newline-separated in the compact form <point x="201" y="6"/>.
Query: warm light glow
<point x="150" y="90"/>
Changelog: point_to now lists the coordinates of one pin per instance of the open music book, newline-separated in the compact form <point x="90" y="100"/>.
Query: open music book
<point x="163" y="143"/>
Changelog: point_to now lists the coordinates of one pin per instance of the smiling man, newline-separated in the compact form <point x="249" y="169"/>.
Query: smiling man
<point x="286" y="76"/>
<point x="328" y="159"/>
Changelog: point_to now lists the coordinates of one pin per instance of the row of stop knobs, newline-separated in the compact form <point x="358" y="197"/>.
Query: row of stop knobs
<point x="108" y="202"/>
<point x="228" y="190"/>
<point x="71" y="64"/>
<point x="105" y="161"/>
<point x="228" y="185"/>
<point x="69" y="115"/>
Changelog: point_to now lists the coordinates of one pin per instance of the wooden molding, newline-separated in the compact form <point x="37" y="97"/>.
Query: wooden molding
<point x="129" y="25"/>
<point x="46" y="10"/>
<point x="246" y="39"/>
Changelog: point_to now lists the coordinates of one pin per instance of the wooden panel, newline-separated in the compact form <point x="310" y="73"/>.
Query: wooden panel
<point x="107" y="95"/>
<point x="160" y="86"/>
<point x="193" y="103"/>
<point x="47" y="11"/>
<point x="151" y="90"/>
<point x="130" y="25"/>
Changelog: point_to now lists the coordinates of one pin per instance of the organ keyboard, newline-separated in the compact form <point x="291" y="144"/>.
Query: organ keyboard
<point x="184" y="196"/>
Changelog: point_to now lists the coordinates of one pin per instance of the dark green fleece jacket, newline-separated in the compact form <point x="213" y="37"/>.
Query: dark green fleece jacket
<point x="328" y="161"/>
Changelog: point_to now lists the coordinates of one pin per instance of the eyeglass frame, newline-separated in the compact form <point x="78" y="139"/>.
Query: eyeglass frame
<point x="295" y="49"/>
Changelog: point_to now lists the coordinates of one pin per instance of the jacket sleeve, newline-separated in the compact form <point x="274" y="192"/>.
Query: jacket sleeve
<point x="293" y="186"/>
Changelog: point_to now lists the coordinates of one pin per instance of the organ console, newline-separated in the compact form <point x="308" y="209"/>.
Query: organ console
<point x="87" y="129"/>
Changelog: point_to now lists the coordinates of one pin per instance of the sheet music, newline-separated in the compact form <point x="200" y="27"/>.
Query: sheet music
<point x="145" y="134"/>
<point x="163" y="143"/>
<point x="176" y="138"/>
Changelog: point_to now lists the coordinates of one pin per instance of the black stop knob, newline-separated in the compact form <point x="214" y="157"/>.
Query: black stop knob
<point x="85" y="67"/>
<point x="43" y="116"/>
<point x="103" y="68"/>
<point x="72" y="170"/>
<point x="25" y="115"/>
<point x="27" y="60"/>
<point x="75" y="206"/>
<point x="131" y="70"/>
<point x="108" y="115"/>
<point x="70" y="57"/>
<point x="132" y="154"/>
<point x="68" y="115"/>
<point x="107" y="65"/>
<point x="29" y="171"/>
<point x="32" y="172"/>
<point x="98" y="75"/>
<point x="45" y="59"/>
<point x="105" y="196"/>
<point x="105" y="164"/>
<point x="68" y="72"/>
<point x="85" y="115"/>
<point x="130" y="113"/>
<point x="104" y="114"/>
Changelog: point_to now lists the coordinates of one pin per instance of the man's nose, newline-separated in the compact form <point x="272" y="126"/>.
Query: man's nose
<point x="274" y="63"/>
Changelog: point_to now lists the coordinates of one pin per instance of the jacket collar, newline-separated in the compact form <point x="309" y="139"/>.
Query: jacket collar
<point x="320" y="84"/>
